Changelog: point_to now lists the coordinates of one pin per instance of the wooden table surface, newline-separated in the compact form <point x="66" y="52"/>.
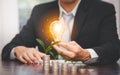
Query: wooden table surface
<point x="16" y="68"/>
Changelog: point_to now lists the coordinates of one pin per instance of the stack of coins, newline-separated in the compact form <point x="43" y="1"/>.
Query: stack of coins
<point x="65" y="73"/>
<point x="46" y="72"/>
<point x="46" y="62"/>
<point x="74" y="69"/>
<point x="55" y="65"/>
<point x="64" y="66"/>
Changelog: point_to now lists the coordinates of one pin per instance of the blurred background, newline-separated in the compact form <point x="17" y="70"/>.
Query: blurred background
<point x="15" y="13"/>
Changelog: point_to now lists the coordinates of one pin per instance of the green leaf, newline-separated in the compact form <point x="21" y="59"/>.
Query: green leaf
<point x="56" y="57"/>
<point x="65" y="60"/>
<point x="55" y="42"/>
<point x="52" y="54"/>
<point x="41" y="43"/>
<point x="49" y="48"/>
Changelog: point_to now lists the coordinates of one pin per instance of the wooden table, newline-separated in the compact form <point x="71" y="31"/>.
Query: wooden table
<point x="16" y="68"/>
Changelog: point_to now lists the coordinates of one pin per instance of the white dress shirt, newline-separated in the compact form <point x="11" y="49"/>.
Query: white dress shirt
<point x="67" y="35"/>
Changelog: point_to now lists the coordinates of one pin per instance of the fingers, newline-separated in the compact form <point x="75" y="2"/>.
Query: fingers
<point x="63" y="44"/>
<point x="73" y="51"/>
<point x="22" y="60"/>
<point x="28" y="55"/>
<point x="38" y="57"/>
<point x="34" y="55"/>
<point x="42" y="54"/>
<point x="27" y="58"/>
<point x="32" y="58"/>
<point x="71" y="46"/>
<point x="63" y="52"/>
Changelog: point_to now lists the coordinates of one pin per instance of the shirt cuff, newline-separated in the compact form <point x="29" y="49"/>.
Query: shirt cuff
<point x="94" y="57"/>
<point x="93" y="54"/>
<point x="12" y="55"/>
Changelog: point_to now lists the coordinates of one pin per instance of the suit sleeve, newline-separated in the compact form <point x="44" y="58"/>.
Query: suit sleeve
<point x="109" y="43"/>
<point x="25" y="38"/>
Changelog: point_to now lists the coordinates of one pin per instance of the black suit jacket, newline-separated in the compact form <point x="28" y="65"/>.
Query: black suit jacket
<point x="94" y="27"/>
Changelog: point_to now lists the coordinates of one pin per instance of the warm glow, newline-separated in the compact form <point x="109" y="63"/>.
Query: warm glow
<point x="57" y="30"/>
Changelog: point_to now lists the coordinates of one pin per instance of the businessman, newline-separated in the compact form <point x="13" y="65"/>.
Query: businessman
<point x="90" y="37"/>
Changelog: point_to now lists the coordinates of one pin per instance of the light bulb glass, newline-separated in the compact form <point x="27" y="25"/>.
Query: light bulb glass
<point x="57" y="29"/>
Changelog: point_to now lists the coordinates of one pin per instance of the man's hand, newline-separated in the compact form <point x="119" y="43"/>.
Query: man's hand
<point x="28" y="55"/>
<point x="73" y="51"/>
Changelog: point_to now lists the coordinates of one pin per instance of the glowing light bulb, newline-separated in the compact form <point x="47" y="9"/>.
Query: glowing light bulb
<point x="57" y="29"/>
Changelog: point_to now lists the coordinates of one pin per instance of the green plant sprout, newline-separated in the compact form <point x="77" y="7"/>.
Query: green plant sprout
<point x="49" y="48"/>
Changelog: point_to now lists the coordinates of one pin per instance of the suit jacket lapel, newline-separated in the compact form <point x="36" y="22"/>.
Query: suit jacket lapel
<point x="80" y="17"/>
